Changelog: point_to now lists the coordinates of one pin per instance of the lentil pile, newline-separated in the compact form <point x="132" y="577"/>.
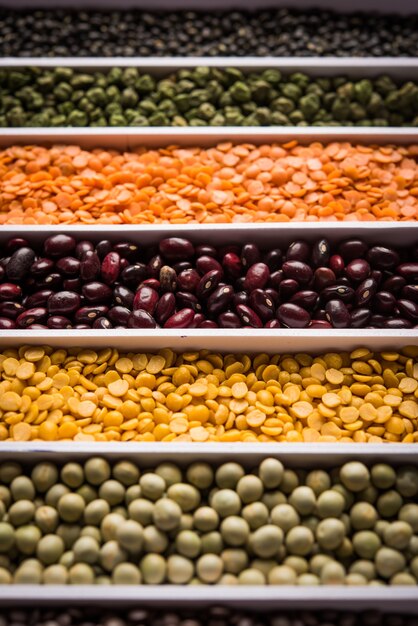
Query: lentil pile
<point x="86" y="395"/>
<point x="65" y="283"/>
<point x="202" y="96"/>
<point x="282" y="32"/>
<point x="212" y="616"/>
<point x="97" y="523"/>
<point x="226" y="184"/>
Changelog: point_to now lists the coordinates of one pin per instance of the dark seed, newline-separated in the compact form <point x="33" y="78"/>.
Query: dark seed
<point x="360" y="318"/>
<point x="188" y="280"/>
<point x="257" y="277"/>
<point x="408" y="270"/>
<point x="206" y="251"/>
<point x="103" y="248"/>
<point x="219" y="300"/>
<point x="320" y="324"/>
<point x="409" y="310"/>
<point x="133" y="275"/>
<point x="20" y="263"/>
<point x="297" y="270"/>
<point x="168" y="278"/>
<point x="397" y="323"/>
<point x="97" y="293"/>
<point x="342" y="292"/>
<point x="208" y="283"/>
<point x="248" y="316"/>
<point x="119" y="315"/>
<point x="287" y="288"/>
<point x="176" y="249"/>
<point x="384" y="302"/>
<point x="51" y="281"/>
<point x="165" y="307"/>
<point x="58" y="322"/>
<point x="273" y="324"/>
<point x="6" y="324"/>
<point x="69" y="265"/>
<point x="39" y="298"/>
<point x="15" y="243"/>
<point x="181" y="319"/>
<point x="410" y="292"/>
<point x="232" y="265"/>
<point x="320" y="253"/>
<point x="41" y="267"/>
<point x="102" y="322"/>
<point x="358" y="270"/>
<point x="82" y="247"/>
<point x="382" y="258"/>
<point x="154" y="266"/>
<point x="32" y="316"/>
<point x="298" y="251"/>
<point x="141" y="319"/>
<point x="90" y="266"/>
<point x="306" y="299"/>
<point x="352" y="249"/>
<point x="228" y="319"/>
<point x="110" y="268"/>
<point x="274" y="259"/>
<point x="124" y="296"/>
<point x="394" y="284"/>
<point x="365" y="292"/>
<point x="59" y="245"/>
<point x="63" y="303"/>
<point x="10" y="310"/>
<point x="71" y="284"/>
<point x="146" y="299"/>
<point x="126" y="250"/>
<point x="323" y="277"/>
<point x="261" y="303"/>
<point x="250" y="254"/>
<point x="337" y="314"/>
<point x="293" y="316"/>
<point x="336" y="264"/>
<point x="187" y="300"/>
<point x="87" y="314"/>
<point x="10" y="291"/>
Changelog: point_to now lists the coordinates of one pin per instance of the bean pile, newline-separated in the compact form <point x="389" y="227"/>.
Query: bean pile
<point x="87" y="395"/>
<point x="63" y="283"/>
<point x="202" y="96"/>
<point x="96" y="523"/>
<point x="211" y="616"/>
<point x="282" y="32"/>
<point x="226" y="184"/>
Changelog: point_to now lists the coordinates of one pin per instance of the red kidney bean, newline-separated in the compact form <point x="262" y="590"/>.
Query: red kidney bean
<point x="408" y="309"/>
<point x="410" y="292"/>
<point x="336" y="264"/>
<point x="358" y="270"/>
<point x="297" y="270"/>
<point x="241" y="297"/>
<point x="320" y="315"/>
<point x="188" y="280"/>
<point x="52" y="281"/>
<point x="168" y="278"/>
<point x="384" y="302"/>
<point x="59" y="245"/>
<point x="69" y="265"/>
<point x="103" y="248"/>
<point x="208" y="283"/>
<point x="41" y="267"/>
<point x="261" y="303"/>
<point x="119" y="315"/>
<point x="181" y="266"/>
<point x="181" y="319"/>
<point x="10" y="309"/>
<point x="376" y="321"/>
<point x="154" y="265"/>
<point x="293" y="316"/>
<point x="71" y="284"/>
<point x="176" y="249"/>
<point x="234" y="248"/>
<point x="63" y="303"/>
<point x="10" y="291"/>
<point x="208" y="324"/>
<point x="342" y="292"/>
<point x="232" y="265"/>
<point x="274" y="259"/>
<point x="32" y="316"/>
<point x="6" y="324"/>
<point x="228" y="319"/>
<point x="187" y="300"/>
<point x="198" y="319"/>
<point x="250" y="254"/>
<point x="275" y="279"/>
<point x="124" y="296"/>
<point x="408" y="270"/>
<point x="20" y="263"/>
<point x="110" y="268"/>
<point x="141" y="319"/>
<point x="165" y="307"/>
<point x="248" y="316"/>
<point x="153" y="283"/>
<point x="377" y="276"/>
<point x="39" y="298"/>
<point x="102" y="322"/>
<point x="352" y="249"/>
<point x="58" y="322"/>
<point x="298" y="251"/>
<point x="16" y="243"/>
<point x="97" y="293"/>
<point x="360" y="317"/>
<point x="82" y="247"/>
<point x="337" y="314"/>
<point x="219" y="300"/>
<point x="287" y="288"/>
<point x="365" y="292"/>
<point x="146" y="299"/>
<point x="126" y="250"/>
<point x="272" y="294"/>
<point x="320" y="324"/>
<point x="87" y="314"/>
<point x="394" y="284"/>
<point x="323" y="277"/>
<point x="397" y="323"/>
<point x="382" y="258"/>
<point x="257" y="277"/>
<point x="90" y="266"/>
<point x="273" y="324"/>
<point x="206" y="251"/>
<point x="133" y="275"/>
<point x="306" y="299"/>
<point x="320" y="253"/>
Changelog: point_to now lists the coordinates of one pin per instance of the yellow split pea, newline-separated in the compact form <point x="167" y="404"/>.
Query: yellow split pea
<point x="88" y="395"/>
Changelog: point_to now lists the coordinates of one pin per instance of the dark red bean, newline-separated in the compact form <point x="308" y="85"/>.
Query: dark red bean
<point x="342" y="292"/>
<point x="358" y="270"/>
<point x="58" y="322"/>
<point x="365" y="292"/>
<point x="257" y="277"/>
<point x="97" y="293"/>
<point x="320" y="315"/>
<point x="181" y="319"/>
<point x="181" y="266"/>
<point x="248" y="316"/>
<point x="41" y="267"/>
<point x="154" y="265"/>
<point x="124" y="296"/>
<point x="6" y="324"/>
<point x="198" y="319"/>
<point x="102" y="322"/>
<point x="384" y="302"/>
<point x="293" y="316"/>
<point x="20" y="263"/>
<point x="10" y="310"/>
<point x="119" y="315"/>
<point x="69" y="265"/>
<point x="323" y="277"/>
<point x="168" y="278"/>
<point x="297" y="270"/>
<point x="274" y="259"/>
<point x="206" y="251"/>
<point x="219" y="300"/>
<point x="187" y="300"/>
<point x="336" y="264"/>
<point x="306" y="299"/>
<point x="133" y="275"/>
<point x="10" y="291"/>
<point x="228" y="319"/>
<point x="146" y="299"/>
<point x="250" y="254"/>
<point x="359" y="318"/>
<point x="126" y="250"/>
<point x="141" y="319"/>
<point x="397" y="323"/>
<point x="408" y="270"/>
<point x="352" y="249"/>
<point x="275" y="279"/>
<point x="232" y="265"/>
<point x="376" y="321"/>
<point x="208" y="324"/>
<point x="337" y="314"/>
<point x="188" y="280"/>
<point x="273" y="295"/>
<point x="382" y="258"/>
<point x="320" y="324"/>
<point x="39" y="298"/>
<point x="153" y="283"/>
<point x="261" y="303"/>
<point x="394" y="284"/>
<point x="408" y="309"/>
<point x="82" y="247"/>
<point x="103" y="248"/>
<point x="410" y="292"/>
<point x="165" y="307"/>
<point x="63" y="303"/>
<point x="15" y="243"/>
<point x="59" y="245"/>
<point x="208" y="283"/>
<point x="90" y="266"/>
<point x="273" y="324"/>
<point x="71" y="284"/>
<point x="241" y="297"/>
<point x="298" y="251"/>
<point x="87" y="314"/>
<point x="176" y="249"/>
<point x="287" y="288"/>
<point x="32" y="316"/>
<point x="320" y="253"/>
<point x="377" y="276"/>
<point x="110" y="268"/>
<point x="51" y="281"/>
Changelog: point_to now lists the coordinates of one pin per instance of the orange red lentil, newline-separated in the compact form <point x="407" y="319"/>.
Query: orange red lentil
<point x="225" y="184"/>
